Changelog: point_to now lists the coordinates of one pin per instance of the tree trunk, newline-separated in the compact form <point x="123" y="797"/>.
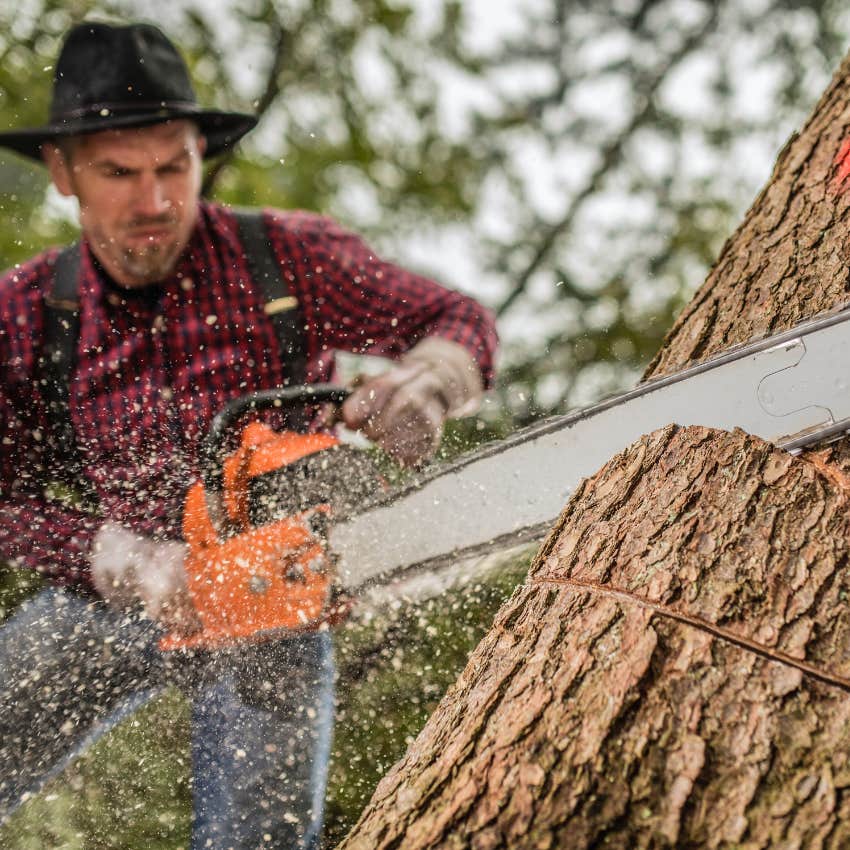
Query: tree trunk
<point x="675" y="672"/>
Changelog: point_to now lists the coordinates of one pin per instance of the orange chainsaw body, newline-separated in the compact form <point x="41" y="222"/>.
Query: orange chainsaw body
<point x="251" y="583"/>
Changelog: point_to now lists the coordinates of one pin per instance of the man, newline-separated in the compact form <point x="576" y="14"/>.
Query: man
<point x="172" y="324"/>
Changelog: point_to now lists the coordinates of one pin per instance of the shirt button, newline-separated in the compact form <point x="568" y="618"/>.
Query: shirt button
<point x="167" y="393"/>
<point x="159" y="324"/>
<point x="187" y="284"/>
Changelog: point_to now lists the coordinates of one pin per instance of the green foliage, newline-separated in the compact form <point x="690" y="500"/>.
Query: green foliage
<point x="15" y="586"/>
<point x="130" y="790"/>
<point x="27" y="53"/>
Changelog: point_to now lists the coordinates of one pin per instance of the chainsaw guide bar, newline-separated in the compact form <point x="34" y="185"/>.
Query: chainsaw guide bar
<point x="790" y="389"/>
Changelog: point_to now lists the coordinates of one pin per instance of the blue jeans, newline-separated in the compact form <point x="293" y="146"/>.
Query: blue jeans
<point x="262" y="717"/>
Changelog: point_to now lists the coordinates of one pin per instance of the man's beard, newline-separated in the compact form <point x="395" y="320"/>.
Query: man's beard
<point x="149" y="264"/>
<point x="143" y="264"/>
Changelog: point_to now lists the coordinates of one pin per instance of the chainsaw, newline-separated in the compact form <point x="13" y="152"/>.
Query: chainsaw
<point x="278" y="541"/>
<point x="256" y="523"/>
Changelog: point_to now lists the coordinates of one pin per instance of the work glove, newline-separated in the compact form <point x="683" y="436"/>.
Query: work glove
<point x="404" y="410"/>
<point x="128" y="569"/>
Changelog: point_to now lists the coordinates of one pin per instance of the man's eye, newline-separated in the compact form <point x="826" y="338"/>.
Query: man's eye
<point x="118" y="172"/>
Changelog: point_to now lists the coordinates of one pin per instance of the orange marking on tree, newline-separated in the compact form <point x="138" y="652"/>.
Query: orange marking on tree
<point x="842" y="163"/>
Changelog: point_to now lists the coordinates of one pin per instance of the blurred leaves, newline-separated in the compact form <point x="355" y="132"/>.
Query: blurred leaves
<point x="575" y="165"/>
<point x="132" y="789"/>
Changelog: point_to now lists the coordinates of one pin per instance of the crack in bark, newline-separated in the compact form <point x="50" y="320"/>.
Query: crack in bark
<point x="716" y="631"/>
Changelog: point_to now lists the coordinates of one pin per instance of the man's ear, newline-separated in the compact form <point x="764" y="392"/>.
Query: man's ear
<point x="59" y="168"/>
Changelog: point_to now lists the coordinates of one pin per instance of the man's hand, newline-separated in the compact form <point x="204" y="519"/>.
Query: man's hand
<point x="404" y="410"/>
<point x="128" y="569"/>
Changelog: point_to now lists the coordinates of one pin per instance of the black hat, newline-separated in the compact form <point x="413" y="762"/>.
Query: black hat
<point x="123" y="76"/>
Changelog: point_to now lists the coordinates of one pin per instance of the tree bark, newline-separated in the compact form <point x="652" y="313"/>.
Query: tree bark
<point x="675" y="671"/>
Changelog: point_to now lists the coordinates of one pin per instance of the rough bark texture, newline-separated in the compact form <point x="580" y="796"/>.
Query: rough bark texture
<point x="589" y="720"/>
<point x="675" y="672"/>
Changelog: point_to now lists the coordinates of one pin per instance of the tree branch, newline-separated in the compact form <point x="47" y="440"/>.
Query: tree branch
<point x="280" y="36"/>
<point x="611" y="156"/>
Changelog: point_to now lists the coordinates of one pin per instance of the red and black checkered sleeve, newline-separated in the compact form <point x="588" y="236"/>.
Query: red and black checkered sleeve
<point x="46" y="536"/>
<point x="355" y="301"/>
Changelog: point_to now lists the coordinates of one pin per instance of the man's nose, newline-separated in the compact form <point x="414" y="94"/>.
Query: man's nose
<point x="151" y="199"/>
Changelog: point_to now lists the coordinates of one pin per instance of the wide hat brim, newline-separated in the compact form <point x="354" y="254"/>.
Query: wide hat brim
<point x="222" y="130"/>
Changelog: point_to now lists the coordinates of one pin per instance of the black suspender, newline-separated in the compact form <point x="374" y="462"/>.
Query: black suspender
<point x="61" y="332"/>
<point x="281" y="305"/>
<point x="62" y="328"/>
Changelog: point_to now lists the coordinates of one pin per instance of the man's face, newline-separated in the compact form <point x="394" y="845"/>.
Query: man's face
<point x="138" y="191"/>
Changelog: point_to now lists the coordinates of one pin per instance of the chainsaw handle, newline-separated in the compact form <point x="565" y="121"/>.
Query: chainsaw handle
<point x="279" y="397"/>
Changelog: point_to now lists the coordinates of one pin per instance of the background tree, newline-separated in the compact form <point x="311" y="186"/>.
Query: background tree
<point x="575" y="165"/>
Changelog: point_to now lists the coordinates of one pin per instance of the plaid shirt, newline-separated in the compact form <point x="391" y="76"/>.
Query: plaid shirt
<point x="154" y="366"/>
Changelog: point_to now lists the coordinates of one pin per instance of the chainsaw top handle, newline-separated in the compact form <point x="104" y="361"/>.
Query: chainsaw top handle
<point x="280" y="398"/>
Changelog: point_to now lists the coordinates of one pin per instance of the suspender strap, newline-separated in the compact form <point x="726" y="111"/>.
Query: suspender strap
<point x="281" y="306"/>
<point x="61" y="332"/>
